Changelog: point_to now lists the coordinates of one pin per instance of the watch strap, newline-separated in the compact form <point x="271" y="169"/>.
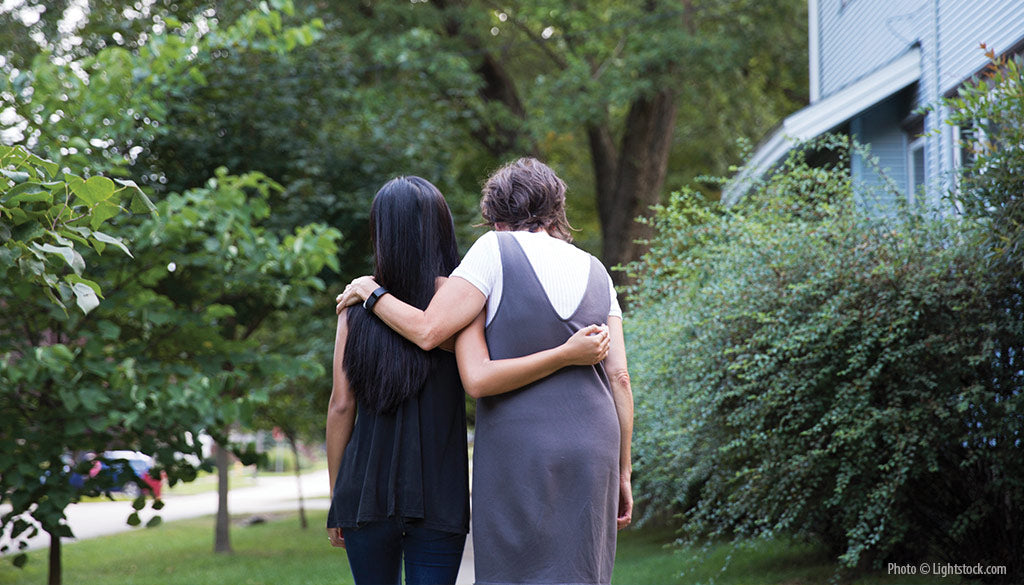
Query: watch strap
<point x="374" y="297"/>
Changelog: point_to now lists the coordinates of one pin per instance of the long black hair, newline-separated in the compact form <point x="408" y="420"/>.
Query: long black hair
<point x="413" y="243"/>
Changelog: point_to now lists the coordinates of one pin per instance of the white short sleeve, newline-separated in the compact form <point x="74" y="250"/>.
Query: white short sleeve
<point x="482" y="264"/>
<point x="615" y="310"/>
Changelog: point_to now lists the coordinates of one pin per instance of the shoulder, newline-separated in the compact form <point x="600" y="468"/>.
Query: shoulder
<point x="488" y="239"/>
<point x="481" y="265"/>
<point x="486" y="246"/>
<point x="341" y="334"/>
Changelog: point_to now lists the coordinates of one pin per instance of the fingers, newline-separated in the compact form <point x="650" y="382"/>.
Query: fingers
<point x="336" y="537"/>
<point x="625" y="502"/>
<point x="604" y="344"/>
<point x="625" y="513"/>
<point x="352" y="295"/>
<point x="623" y="521"/>
<point x="346" y="299"/>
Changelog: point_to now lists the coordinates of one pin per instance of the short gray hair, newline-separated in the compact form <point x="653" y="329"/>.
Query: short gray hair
<point x="526" y="194"/>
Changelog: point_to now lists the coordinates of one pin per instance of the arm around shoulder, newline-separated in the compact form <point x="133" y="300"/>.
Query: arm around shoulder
<point x="482" y="376"/>
<point x="452" y="308"/>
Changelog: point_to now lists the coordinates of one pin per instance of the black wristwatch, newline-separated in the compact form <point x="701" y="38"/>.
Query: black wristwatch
<point x="374" y="297"/>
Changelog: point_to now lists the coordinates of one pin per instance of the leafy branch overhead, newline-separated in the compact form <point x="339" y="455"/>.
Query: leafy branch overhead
<point x="45" y="214"/>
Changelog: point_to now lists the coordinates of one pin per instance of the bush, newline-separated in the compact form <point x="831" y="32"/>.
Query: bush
<point x="804" y="368"/>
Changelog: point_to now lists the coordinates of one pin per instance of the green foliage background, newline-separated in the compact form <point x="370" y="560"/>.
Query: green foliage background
<point x="805" y="368"/>
<point x="202" y="173"/>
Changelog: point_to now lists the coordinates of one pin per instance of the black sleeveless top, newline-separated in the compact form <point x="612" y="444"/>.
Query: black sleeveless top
<point x="412" y="463"/>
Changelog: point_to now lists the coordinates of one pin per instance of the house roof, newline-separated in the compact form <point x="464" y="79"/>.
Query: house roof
<point x="825" y="115"/>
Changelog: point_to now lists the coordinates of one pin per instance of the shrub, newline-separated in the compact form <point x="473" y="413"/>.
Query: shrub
<point x="805" y="368"/>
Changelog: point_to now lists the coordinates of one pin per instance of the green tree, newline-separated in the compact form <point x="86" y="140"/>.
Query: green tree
<point x="600" y="81"/>
<point x="209" y="284"/>
<point x="120" y="87"/>
<point x="296" y="405"/>
<point x="171" y="352"/>
<point x="62" y="390"/>
<point x="620" y="96"/>
<point x="99" y="111"/>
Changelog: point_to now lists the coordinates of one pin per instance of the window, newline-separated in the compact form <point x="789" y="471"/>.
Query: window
<point x="916" y="171"/>
<point x="966" y="142"/>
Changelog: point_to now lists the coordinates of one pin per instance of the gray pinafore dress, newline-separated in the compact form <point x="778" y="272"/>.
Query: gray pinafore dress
<point x="546" y="456"/>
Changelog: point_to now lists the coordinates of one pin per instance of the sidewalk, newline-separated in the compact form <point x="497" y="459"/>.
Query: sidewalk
<point x="467" y="576"/>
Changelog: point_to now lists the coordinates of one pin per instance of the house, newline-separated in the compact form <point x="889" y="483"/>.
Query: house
<point x="873" y="65"/>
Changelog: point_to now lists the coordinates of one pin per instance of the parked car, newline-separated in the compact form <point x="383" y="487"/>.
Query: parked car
<point x="116" y="465"/>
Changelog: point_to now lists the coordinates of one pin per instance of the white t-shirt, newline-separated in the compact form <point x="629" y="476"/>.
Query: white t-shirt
<point x="562" y="269"/>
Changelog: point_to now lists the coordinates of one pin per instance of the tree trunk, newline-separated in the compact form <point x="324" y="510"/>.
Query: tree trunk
<point x="222" y="531"/>
<point x="629" y="178"/>
<point x="298" y="481"/>
<point x="55" y="570"/>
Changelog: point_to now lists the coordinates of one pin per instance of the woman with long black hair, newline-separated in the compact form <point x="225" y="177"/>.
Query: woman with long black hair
<point x="398" y="468"/>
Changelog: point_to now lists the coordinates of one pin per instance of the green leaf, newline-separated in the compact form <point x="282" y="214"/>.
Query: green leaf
<point x="20" y="560"/>
<point x="197" y="75"/>
<point x="139" y="502"/>
<point x="141" y="203"/>
<point x="112" y="240"/>
<point x="134" y="520"/>
<point x="108" y="330"/>
<point x="16" y="176"/>
<point x="92" y="399"/>
<point x="73" y="279"/>
<point x="93" y="190"/>
<point x="62" y="351"/>
<point x="12" y="196"/>
<point x="49" y="166"/>
<point x="31" y="197"/>
<point x="154" y="522"/>
<point x="103" y="211"/>
<point x="85" y="296"/>
<point x="97" y="423"/>
<point x="73" y="258"/>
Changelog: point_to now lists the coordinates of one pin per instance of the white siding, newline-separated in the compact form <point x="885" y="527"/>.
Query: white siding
<point x="859" y="36"/>
<point x="964" y="25"/>
<point x="856" y="38"/>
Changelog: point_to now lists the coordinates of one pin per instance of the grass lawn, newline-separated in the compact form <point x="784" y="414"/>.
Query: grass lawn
<point x="181" y="553"/>
<point x="280" y="553"/>
<point x="645" y="557"/>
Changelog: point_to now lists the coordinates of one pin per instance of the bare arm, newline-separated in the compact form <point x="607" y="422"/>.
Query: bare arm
<point x="622" y="394"/>
<point x="452" y="308"/>
<point x="482" y="376"/>
<point x="341" y="417"/>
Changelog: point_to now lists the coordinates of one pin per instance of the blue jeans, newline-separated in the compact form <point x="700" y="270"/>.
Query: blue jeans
<point x="375" y="552"/>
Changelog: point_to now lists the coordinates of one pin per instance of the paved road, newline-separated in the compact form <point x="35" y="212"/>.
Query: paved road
<point x="271" y="494"/>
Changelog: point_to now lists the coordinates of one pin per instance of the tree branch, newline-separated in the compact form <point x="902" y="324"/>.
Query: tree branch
<point x="615" y="55"/>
